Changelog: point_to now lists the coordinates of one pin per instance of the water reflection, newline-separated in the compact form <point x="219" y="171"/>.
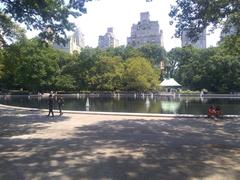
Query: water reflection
<point x="140" y="104"/>
<point x="170" y="107"/>
<point x="87" y="104"/>
<point x="147" y="103"/>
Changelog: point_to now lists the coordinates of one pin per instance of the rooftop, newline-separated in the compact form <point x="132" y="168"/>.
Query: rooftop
<point x="170" y="82"/>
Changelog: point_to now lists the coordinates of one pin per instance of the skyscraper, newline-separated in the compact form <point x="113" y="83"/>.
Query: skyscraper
<point x="145" y="32"/>
<point x="108" y="40"/>
<point x="74" y="44"/>
<point x="200" y="43"/>
<point x="227" y="31"/>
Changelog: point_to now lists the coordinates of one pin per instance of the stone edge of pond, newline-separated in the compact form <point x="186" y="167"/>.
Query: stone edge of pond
<point x="119" y="113"/>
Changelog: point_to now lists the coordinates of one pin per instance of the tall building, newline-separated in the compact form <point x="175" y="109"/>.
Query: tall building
<point x="200" y="43"/>
<point x="108" y="40"/>
<point x="74" y="44"/>
<point x="232" y="30"/>
<point x="145" y="32"/>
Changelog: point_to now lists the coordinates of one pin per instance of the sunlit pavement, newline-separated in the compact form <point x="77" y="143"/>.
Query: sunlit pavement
<point x="85" y="146"/>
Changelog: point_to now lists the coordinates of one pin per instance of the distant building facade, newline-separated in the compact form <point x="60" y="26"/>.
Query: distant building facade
<point x="108" y="40"/>
<point x="145" y="32"/>
<point x="75" y="43"/>
<point x="232" y="30"/>
<point x="200" y="43"/>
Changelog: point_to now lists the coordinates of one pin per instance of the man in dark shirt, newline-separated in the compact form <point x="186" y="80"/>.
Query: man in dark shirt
<point x="50" y="105"/>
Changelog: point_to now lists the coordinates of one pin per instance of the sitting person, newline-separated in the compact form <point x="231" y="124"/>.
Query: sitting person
<point x="218" y="111"/>
<point x="211" y="112"/>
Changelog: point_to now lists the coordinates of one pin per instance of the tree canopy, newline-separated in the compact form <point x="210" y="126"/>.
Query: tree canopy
<point x="33" y="65"/>
<point x="195" y="15"/>
<point x="154" y="53"/>
<point x="139" y="75"/>
<point x="215" y="69"/>
<point x="51" y="17"/>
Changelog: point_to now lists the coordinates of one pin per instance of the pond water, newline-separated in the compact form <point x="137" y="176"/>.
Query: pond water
<point x="165" y="105"/>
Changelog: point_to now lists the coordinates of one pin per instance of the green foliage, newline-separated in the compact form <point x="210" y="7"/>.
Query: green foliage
<point x="231" y="45"/>
<point x="36" y="66"/>
<point x="177" y="58"/>
<point x="215" y="69"/>
<point x="1" y="64"/>
<point x="195" y="16"/>
<point x="225" y="73"/>
<point x="65" y="82"/>
<point x="108" y="74"/>
<point x="155" y="54"/>
<point x="63" y="58"/>
<point x="103" y="70"/>
<point x="87" y="67"/>
<point x="189" y="92"/>
<point x="51" y="17"/>
<point x="139" y="75"/>
<point x="31" y="65"/>
<point x="124" y="52"/>
<point x="9" y="31"/>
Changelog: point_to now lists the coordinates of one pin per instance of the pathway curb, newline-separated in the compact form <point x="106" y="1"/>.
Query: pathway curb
<point x="119" y="113"/>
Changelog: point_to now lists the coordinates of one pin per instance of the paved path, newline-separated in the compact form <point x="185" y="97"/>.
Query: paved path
<point x="83" y="146"/>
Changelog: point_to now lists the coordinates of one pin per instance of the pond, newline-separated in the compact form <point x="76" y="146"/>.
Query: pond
<point x="165" y="105"/>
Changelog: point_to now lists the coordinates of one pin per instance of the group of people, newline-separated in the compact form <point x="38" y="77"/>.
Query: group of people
<point x="214" y="111"/>
<point x="60" y="103"/>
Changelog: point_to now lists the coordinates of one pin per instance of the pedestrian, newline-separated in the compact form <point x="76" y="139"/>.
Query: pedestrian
<point x="50" y="105"/>
<point x="60" y="104"/>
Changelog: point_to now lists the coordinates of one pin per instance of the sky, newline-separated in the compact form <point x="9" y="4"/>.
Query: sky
<point x="121" y="14"/>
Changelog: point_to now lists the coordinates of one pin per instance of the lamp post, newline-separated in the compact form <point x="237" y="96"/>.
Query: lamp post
<point x="165" y="69"/>
<point x="168" y="67"/>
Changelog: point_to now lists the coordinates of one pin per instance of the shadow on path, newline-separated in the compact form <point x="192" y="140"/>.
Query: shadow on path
<point x="21" y="122"/>
<point x="129" y="149"/>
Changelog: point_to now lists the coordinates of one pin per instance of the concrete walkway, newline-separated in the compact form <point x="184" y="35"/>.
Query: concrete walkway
<point x="88" y="146"/>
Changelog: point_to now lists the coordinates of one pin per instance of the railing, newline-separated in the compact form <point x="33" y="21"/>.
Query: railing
<point x="135" y="94"/>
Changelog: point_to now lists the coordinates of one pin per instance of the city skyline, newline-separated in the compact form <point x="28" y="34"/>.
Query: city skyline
<point x="121" y="14"/>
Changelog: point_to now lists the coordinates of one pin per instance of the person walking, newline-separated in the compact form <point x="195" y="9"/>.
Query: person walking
<point x="60" y="104"/>
<point x="50" y="105"/>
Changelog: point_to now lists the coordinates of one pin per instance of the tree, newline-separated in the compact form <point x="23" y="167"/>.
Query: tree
<point x="65" y="83"/>
<point x="231" y="45"/>
<point x="139" y="75"/>
<point x="155" y="54"/>
<point x="31" y="65"/>
<point x="224" y="73"/>
<point x="214" y="69"/>
<point x="124" y="52"/>
<point x="51" y="17"/>
<point x="9" y="31"/>
<point x="187" y="66"/>
<point x="195" y="15"/>
<point x="1" y="63"/>
<point x="178" y="59"/>
<point x="82" y="69"/>
<point x="86" y="67"/>
<point x="174" y="58"/>
<point x="107" y="74"/>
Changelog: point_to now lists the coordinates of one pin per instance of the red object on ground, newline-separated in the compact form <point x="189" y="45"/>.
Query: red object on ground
<point x="212" y="112"/>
